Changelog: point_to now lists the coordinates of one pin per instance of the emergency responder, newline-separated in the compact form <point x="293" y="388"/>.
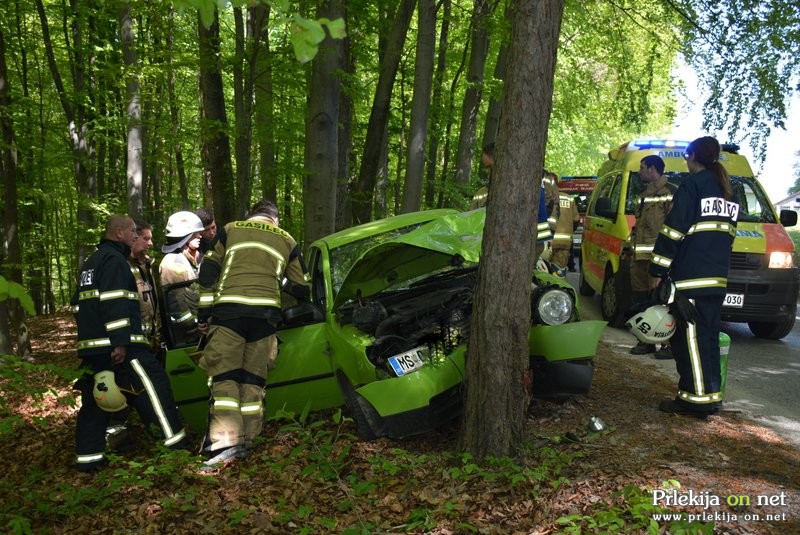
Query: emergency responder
<point x="693" y="249"/>
<point x="481" y="196"/>
<point x="209" y="231"/>
<point x="243" y="313"/>
<point x="551" y="198"/>
<point x="141" y="268"/>
<point x="654" y="205"/>
<point x="568" y="219"/>
<point x="180" y="264"/>
<point x="120" y="369"/>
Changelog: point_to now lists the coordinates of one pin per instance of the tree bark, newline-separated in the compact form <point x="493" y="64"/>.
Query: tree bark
<point x="365" y="188"/>
<point x="420" y="105"/>
<point x="216" y="149"/>
<point x="437" y="121"/>
<point x="344" y="209"/>
<point x="497" y="357"/>
<point x="264" y="105"/>
<point x="479" y="47"/>
<point x="135" y="170"/>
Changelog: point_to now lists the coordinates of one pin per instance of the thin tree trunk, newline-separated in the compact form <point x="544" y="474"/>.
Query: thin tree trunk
<point x="438" y="110"/>
<point x="497" y="355"/>
<point x="420" y="105"/>
<point x="264" y="105"/>
<point x="344" y="211"/>
<point x="376" y="128"/>
<point x="216" y="150"/>
<point x="479" y="46"/>
<point x="495" y="103"/>
<point x="134" y="172"/>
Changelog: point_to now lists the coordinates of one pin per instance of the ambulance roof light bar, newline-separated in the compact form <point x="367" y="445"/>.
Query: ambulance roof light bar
<point x="660" y="144"/>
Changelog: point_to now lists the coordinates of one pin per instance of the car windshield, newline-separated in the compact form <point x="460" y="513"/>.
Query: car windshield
<point x="343" y="257"/>
<point x="753" y="203"/>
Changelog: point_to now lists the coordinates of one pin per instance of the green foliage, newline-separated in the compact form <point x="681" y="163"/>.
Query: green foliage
<point x="795" y="236"/>
<point x="631" y="512"/>
<point x="12" y="290"/>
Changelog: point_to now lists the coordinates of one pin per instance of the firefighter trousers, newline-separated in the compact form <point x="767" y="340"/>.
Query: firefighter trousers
<point x="147" y="390"/>
<point x="237" y="357"/>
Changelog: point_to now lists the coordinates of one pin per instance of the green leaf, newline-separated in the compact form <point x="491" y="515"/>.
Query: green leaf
<point x="18" y="292"/>
<point x="335" y="28"/>
<point x="306" y="36"/>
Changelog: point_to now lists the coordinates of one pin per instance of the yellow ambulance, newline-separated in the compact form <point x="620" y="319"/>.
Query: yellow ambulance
<point x="764" y="278"/>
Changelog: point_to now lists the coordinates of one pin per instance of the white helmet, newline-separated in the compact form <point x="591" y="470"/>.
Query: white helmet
<point x="654" y="325"/>
<point x="183" y="223"/>
<point x="107" y="394"/>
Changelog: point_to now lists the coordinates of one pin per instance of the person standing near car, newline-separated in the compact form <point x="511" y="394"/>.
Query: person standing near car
<point x="240" y="308"/>
<point x="693" y="249"/>
<point x="119" y="367"/>
<point x="654" y="205"/>
<point x="568" y="220"/>
<point x="209" y="231"/>
<point x="141" y="268"/>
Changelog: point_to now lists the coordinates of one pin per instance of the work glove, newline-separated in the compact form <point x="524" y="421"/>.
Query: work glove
<point x="679" y="305"/>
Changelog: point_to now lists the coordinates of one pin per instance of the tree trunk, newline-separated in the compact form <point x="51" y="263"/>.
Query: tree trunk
<point x="243" y="80"/>
<point x="344" y="209"/>
<point x="497" y="357"/>
<point x="216" y="144"/>
<point x="420" y="105"/>
<point x="495" y="102"/>
<point x="264" y="105"/>
<point x="479" y="47"/>
<point x="365" y="188"/>
<point x="322" y="132"/>
<point x="438" y="110"/>
<point x="134" y="161"/>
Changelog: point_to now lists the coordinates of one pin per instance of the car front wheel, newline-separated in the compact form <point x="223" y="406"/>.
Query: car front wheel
<point x="613" y="301"/>
<point x="773" y="330"/>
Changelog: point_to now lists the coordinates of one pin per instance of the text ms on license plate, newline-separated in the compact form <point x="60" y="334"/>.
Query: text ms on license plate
<point x="408" y="362"/>
<point x="733" y="300"/>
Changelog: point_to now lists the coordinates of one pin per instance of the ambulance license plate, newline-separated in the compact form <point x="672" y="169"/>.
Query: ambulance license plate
<point x="733" y="300"/>
<point x="408" y="362"/>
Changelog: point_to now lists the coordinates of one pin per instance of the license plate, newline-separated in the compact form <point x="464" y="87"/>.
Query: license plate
<point x="408" y="362"/>
<point x="733" y="300"/>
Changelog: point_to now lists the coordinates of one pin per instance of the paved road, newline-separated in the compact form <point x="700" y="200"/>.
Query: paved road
<point x="763" y="375"/>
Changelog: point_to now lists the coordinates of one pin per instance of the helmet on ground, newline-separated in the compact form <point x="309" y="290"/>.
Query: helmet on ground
<point x="107" y="394"/>
<point x="653" y="326"/>
<point x="183" y="223"/>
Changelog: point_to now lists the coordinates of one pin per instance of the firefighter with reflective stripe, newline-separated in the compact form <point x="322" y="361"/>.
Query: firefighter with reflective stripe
<point x="654" y="205"/>
<point x="568" y="219"/>
<point x="181" y="264"/>
<point x="141" y="268"/>
<point x="240" y="292"/>
<point x="694" y="249"/>
<point x="551" y="198"/>
<point x="110" y="339"/>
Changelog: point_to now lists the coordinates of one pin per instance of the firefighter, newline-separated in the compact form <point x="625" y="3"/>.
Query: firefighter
<point x="654" y="205"/>
<point x="693" y="249"/>
<point x="120" y="368"/>
<point x="249" y="261"/>
<point x="141" y="268"/>
<point x="568" y="219"/>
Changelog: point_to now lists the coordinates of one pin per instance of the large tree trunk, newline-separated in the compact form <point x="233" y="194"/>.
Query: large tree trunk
<point x="344" y="209"/>
<point x="264" y="105"/>
<point x="495" y="101"/>
<point x="134" y="161"/>
<point x="438" y="121"/>
<point x="216" y="144"/>
<point x="370" y="164"/>
<point x="497" y="357"/>
<point x="174" y="113"/>
<point x="479" y="47"/>
<point x="420" y="105"/>
<point x="244" y="73"/>
<point x="322" y="134"/>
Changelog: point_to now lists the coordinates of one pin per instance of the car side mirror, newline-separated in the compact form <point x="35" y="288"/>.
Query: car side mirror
<point x="603" y="208"/>
<point x="303" y="313"/>
<point x="788" y="218"/>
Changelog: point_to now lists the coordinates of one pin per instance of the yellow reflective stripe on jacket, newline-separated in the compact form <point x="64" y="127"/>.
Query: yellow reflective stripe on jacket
<point x="254" y="407"/>
<point x="671" y="233"/>
<point x="657" y="198"/>
<point x="264" y="247"/>
<point x="226" y="404"/>
<point x="186" y="317"/>
<point x="116" y="294"/>
<point x="709" y="282"/>
<point x="711" y="225"/>
<point x="206" y="298"/>
<point x="118" y="324"/>
<point x="241" y="299"/>
<point x="662" y="261"/>
<point x="559" y="236"/>
<point x="643" y="248"/>
<point x="97" y="342"/>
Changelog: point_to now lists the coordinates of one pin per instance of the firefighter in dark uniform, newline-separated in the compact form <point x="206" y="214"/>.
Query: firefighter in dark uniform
<point x="240" y="307"/>
<point x="654" y="205"/>
<point x="141" y="268"/>
<point x="694" y="249"/>
<point x="119" y="366"/>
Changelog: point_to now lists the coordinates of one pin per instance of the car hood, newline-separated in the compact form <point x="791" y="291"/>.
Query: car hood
<point x="450" y="240"/>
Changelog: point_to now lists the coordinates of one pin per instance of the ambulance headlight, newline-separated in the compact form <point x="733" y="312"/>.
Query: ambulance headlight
<point x="781" y="260"/>
<point x="552" y="306"/>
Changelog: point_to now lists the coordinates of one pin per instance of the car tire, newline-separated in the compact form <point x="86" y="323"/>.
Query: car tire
<point x="363" y="427"/>
<point x="612" y="300"/>
<point x="583" y="286"/>
<point x="773" y="330"/>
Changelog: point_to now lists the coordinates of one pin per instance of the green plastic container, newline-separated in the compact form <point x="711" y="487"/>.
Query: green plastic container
<point x="724" y="346"/>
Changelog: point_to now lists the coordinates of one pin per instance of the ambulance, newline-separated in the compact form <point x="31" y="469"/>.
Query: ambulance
<point x="764" y="278"/>
<point x="580" y="188"/>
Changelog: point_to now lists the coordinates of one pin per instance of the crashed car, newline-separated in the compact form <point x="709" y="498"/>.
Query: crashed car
<point x="387" y="327"/>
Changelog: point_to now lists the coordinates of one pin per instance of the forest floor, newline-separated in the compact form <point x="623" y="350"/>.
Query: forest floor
<point x="315" y="476"/>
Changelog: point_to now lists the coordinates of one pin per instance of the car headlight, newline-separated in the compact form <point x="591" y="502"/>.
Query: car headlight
<point x="781" y="260"/>
<point x="554" y="306"/>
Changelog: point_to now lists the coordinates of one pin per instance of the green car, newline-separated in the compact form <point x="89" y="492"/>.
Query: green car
<point x="385" y="332"/>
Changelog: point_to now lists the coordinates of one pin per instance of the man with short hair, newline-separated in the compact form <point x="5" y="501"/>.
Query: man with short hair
<point x="141" y="268"/>
<point x="654" y="205"/>
<point x="119" y="367"/>
<point x="209" y="230"/>
<point x="240" y="308"/>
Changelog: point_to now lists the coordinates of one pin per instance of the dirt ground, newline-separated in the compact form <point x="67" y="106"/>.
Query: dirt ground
<point x="724" y="458"/>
